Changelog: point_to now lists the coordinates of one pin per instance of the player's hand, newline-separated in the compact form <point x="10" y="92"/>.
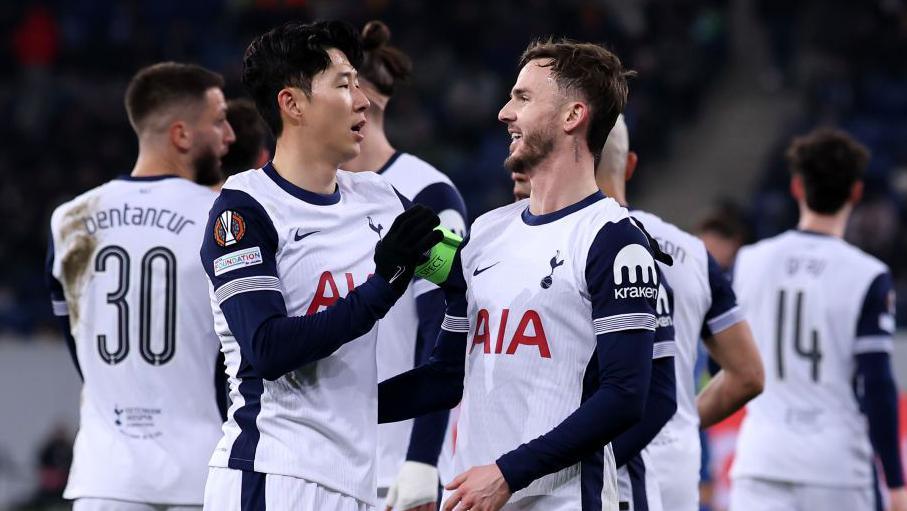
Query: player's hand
<point x="478" y="489"/>
<point x="403" y="247"/>
<point x="416" y="488"/>
<point x="898" y="499"/>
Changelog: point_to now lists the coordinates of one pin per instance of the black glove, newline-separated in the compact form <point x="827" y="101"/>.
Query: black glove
<point x="405" y="245"/>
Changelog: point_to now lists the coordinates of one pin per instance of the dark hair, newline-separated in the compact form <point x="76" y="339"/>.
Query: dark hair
<point x="165" y="85"/>
<point x="384" y="66"/>
<point x="291" y="55"/>
<point x="727" y="220"/>
<point x="591" y="71"/>
<point x="829" y="162"/>
<point x="251" y="136"/>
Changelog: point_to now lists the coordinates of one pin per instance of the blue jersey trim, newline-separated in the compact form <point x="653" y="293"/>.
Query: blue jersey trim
<point x="127" y="177"/>
<point x="242" y="455"/>
<point x="547" y="218"/>
<point x="389" y="162"/>
<point x="301" y="193"/>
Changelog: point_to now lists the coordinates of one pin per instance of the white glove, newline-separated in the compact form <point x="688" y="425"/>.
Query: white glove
<point x="416" y="484"/>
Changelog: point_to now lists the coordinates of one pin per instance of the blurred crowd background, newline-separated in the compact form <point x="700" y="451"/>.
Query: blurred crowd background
<point x="700" y="63"/>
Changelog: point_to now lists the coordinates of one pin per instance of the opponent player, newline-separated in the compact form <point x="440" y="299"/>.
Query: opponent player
<point x="704" y="306"/>
<point x="124" y="272"/>
<point x="289" y="252"/>
<point x="823" y="315"/>
<point x="559" y="300"/>
<point x="407" y="450"/>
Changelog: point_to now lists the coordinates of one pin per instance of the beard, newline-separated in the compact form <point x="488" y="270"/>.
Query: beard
<point x="536" y="147"/>
<point x="207" y="168"/>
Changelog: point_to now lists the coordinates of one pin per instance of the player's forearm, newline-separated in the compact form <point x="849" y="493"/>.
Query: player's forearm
<point x="660" y="407"/>
<point x="618" y="404"/>
<point x="880" y="403"/>
<point x="740" y="379"/>
<point x="431" y="387"/>
<point x="282" y="344"/>
<point x="427" y="437"/>
<point x="725" y="394"/>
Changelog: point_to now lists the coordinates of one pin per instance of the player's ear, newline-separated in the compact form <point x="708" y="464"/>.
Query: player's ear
<point x="576" y="112"/>
<point x="291" y="102"/>
<point x="796" y="188"/>
<point x="180" y="135"/>
<point x="856" y="192"/>
<point x="630" y="167"/>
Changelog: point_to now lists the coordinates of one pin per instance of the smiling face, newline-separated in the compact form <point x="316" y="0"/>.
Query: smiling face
<point x="335" y="110"/>
<point x="532" y="117"/>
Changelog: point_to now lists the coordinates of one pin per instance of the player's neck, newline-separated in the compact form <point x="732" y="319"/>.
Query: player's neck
<point x="613" y="189"/>
<point x="304" y="166"/>
<point x="159" y="163"/>
<point x="374" y="152"/>
<point x="561" y="180"/>
<point x="832" y="225"/>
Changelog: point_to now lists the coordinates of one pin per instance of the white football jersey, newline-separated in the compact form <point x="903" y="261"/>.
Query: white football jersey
<point x="809" y="299"/>
<point x="125" y="269"/>
<point x="532" y="330"/>
<point x="398" y="337"/>
<point x="704" y="304"/>
<point x="306" y="251"/>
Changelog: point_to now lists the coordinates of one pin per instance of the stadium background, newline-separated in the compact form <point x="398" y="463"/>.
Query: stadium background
<point x="722" y="86"/>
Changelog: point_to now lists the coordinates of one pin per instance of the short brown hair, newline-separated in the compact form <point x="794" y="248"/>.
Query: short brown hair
<point x="165" y="85"/>
<point x="591" y="71"/>
<point x="251" y="136"/>
<point x="829" y="161"/>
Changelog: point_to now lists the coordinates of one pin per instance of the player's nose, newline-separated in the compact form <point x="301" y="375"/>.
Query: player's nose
<point x="360" y="101"/>
<point x="506" y="114"/>
<point x="229" y="135"/>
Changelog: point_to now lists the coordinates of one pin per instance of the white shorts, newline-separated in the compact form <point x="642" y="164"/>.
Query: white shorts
<point x="749" y="494"/>
<point x="676" y="467"/>
<point x="237" y="490"/>
<point x="89" y="504"/>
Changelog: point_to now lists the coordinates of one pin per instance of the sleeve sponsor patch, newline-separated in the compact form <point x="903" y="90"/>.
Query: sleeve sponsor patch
<point x="236" y="260"/>
<point x="229" y="228"/>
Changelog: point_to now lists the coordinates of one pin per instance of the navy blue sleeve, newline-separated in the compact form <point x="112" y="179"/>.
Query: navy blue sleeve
<point x="724" y="312"/>
<point x="660" y="407"/>
<point x="239" y="255"/>
<point x="879" y="401"/>
<point x="622" y="281"/>
<point x="427" y="436"/>
<point x="59" y="306"/>
<point x="437" y="384"/>
<point x="875" y="326"/>
<point x="662" y="400"/>
<point x="446" y="202"/>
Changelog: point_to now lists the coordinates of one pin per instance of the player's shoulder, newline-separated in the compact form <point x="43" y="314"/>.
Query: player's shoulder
<point x="661" y="228"/>
<point x="412" y="175"/>
<point x="497" y="216"/>
<point x="366" y="186"/>
<point x="865" y="260"/>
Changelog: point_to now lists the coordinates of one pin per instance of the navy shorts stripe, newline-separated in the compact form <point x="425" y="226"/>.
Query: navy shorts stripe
<point x="592" y="480"/>
<point x="242" y="455"/>
<point x="637" y="470"/>
<point x="252" y="497"/>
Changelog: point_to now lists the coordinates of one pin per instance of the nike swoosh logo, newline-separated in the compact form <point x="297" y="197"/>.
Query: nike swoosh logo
<point x="297" y="237"/>
<point x="476" y="272"/>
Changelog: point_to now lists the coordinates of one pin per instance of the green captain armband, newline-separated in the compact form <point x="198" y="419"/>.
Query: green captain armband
<point x="440" y="259"/>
